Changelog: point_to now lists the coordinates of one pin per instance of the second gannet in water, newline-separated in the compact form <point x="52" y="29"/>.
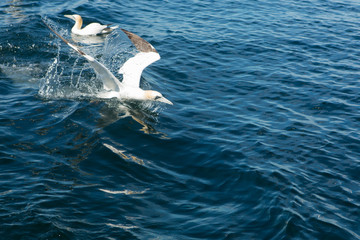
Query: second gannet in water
<point x="131" y="70"/>
<point x="91" y="29"/>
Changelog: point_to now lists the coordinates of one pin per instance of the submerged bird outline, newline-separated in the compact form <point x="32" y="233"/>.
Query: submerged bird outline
<point x="131" y="70"/>
<point x="91" y="29"/>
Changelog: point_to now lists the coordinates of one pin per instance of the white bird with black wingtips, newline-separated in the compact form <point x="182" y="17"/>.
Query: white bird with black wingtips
<point x="91" y="29"/>
<point x="131" y="70"/>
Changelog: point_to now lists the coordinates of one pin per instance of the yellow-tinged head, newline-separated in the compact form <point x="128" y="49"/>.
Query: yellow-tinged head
<point x="156" y="96"/>
<point x="77" y="18"/>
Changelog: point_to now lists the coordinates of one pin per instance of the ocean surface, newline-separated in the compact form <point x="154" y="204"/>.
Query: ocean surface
<point x="262" y="141"/>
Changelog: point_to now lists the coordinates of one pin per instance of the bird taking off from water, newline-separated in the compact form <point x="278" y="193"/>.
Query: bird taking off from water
<point x="131" y="70"/>
<point x="91" y="29"/>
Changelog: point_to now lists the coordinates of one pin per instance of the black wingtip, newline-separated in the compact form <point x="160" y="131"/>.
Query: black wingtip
<point x="141" y="44"/>
<point x="66" y="41"/>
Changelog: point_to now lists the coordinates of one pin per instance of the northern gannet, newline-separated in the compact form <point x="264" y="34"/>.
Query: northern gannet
<point x="131" y="70"/>
<point x="91" y="29"/>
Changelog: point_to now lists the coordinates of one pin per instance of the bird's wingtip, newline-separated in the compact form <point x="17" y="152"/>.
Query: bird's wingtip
<point x="141" y="44"/>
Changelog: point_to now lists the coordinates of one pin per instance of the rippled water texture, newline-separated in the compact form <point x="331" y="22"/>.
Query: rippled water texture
<point x="262" y="141"/>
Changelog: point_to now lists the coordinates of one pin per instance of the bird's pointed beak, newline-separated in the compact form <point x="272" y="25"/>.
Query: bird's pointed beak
<point x="70" y="16"/>
<point x="164" y="100"/>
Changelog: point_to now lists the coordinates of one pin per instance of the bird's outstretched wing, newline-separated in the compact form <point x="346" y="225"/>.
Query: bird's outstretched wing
<point x="110" y="82"/>
<point x="133" y="67"/>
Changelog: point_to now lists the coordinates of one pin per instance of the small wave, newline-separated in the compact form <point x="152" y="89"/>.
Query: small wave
<point x="124" y="192"/>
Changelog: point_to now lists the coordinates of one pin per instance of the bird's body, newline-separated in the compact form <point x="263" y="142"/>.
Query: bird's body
<point x="131" y="70"/>
<point x="91" y="29"/>
<point x="128" y="93"/>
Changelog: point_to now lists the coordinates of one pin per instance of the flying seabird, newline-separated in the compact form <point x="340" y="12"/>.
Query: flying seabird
<point x="131" y="70"/>
<point x="91" y="29"/>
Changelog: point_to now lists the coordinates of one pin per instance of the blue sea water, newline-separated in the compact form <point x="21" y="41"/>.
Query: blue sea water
<point x="262" y="141"/>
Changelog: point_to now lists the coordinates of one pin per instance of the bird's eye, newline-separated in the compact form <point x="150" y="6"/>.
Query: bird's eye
<point x="157" y="97"/>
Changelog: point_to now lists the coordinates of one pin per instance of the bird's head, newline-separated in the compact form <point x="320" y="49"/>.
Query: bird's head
<point x="75" y="17"/>
<point x="156" y="96"/>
